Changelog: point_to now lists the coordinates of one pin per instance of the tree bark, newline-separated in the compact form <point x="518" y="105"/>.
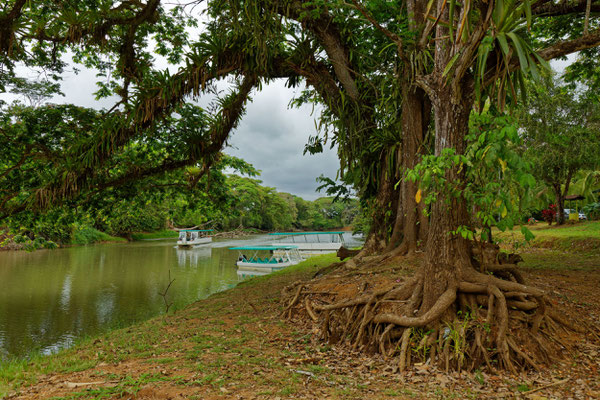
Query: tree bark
<point x="413" y="134"/>
<point x="560" y="198"/>
<point x="447" y="253"/>
<point x="407" y="226"/>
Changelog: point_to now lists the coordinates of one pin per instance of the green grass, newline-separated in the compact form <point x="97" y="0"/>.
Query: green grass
<point x="577" y="237"/>
<point x="83" y="235"/>
<point x="578" y="229"/>
<point x="558" y="260"/>
<point x="164" y="234"/>
<point x="128" y="386"/>
<point x="16" y="373"/>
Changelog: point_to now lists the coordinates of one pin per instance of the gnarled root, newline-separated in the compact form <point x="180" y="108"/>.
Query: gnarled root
<point x="486" y="318"/>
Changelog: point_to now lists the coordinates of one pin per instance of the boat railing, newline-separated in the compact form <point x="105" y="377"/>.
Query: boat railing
<point x="317" y="237"/>
<point x="265" y="260"/>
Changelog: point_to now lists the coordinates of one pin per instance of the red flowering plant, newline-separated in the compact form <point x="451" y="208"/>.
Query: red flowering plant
<point x="549" y="214"/>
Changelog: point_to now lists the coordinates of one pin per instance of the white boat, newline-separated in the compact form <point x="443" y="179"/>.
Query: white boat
<point x="193" y="237"/>
<point x="278" y="258"/>
<point x="311" y="243"/>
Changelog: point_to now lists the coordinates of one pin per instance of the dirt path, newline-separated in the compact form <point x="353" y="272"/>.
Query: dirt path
<point x="234" y="345"/>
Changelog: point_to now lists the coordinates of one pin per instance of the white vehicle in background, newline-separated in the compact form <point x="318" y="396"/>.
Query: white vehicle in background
<point x="569" y="211"/>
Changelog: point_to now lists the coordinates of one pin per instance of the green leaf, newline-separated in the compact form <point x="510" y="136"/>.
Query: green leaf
<point x="520" y="51"/>
<point x="450" y="64"/>
<point x="529" y="236"/>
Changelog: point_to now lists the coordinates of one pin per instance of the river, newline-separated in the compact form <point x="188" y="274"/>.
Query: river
<point x="51" y="298"/>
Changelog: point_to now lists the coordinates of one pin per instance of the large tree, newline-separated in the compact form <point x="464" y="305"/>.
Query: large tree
<point x="397" y="81"/>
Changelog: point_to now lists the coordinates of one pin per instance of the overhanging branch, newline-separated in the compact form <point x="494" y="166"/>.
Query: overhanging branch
<point x="566" y="47"/>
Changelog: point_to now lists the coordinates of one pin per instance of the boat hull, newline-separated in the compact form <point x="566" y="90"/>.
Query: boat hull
<point x="249" y="266"/>
<point x="191" y="243"/>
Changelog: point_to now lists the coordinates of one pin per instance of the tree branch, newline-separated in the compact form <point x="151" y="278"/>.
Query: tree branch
<point x="328" y="35"/>
<point x="571" y="46"/>
<point x="6" y="26"/>
<point x="551" y="9"/>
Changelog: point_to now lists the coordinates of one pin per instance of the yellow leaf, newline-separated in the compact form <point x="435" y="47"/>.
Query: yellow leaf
<point x="504" y="212"/>
<point x="502" y="164"/>
<point x="418" y="196"/>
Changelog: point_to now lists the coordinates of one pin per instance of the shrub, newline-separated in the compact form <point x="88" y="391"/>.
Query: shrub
<point x="549" y="214"/>
<point x="84" y="234"/>
<point x="592" y="210"/>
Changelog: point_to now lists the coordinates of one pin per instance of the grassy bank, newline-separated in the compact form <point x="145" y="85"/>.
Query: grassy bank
<point x="80" y="235"/>
<point x="164" y="234"/>
<point x="87" y="235"/>
<point x="579" y="236"/>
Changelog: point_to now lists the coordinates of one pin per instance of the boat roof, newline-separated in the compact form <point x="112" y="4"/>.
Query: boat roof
<point x="264" y="248"/>
<point x="305" y="233"/>
<point x="196" y="230"/>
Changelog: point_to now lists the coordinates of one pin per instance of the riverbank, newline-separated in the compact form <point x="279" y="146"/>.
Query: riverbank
<point x="86" y="236"/>
<point x="81" y="236"/>
<point x="170" y="234"/>
<point x="235" y="344"/>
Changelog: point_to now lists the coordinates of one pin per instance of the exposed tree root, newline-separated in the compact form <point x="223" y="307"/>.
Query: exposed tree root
<point x="487" y="317"/>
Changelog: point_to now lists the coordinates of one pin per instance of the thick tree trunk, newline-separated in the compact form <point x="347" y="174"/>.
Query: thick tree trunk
<point x="560" y="198"/>
<point x="447" y="254"/>
<point x="406" y="228"/>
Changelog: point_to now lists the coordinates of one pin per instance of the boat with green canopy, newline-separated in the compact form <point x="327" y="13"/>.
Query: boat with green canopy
<point x="310" y="243"/>
<point x="250" y="258"/>
<point x="193" y="237"/>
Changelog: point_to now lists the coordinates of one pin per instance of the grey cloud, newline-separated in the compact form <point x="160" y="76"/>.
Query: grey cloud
<point x="272" y="137"/>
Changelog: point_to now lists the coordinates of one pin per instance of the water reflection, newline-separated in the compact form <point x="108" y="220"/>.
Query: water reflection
<point x="243" y="274"/>
<point x="191" y="257"/>
<point x="48" y="299"/>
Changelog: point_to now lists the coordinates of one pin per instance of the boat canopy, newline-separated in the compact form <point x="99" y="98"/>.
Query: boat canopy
<point x="264" y="248"/>
<point x="304" y="233"/>
<point x="196" y="230"/>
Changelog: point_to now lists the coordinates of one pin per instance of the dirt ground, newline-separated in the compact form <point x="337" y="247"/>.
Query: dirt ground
<point x="236" y="345"/>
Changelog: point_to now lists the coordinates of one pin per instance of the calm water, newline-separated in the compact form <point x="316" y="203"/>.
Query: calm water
<point x="49" y="298"/>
